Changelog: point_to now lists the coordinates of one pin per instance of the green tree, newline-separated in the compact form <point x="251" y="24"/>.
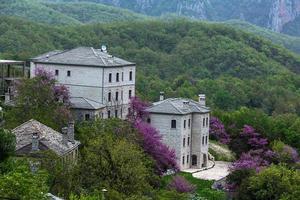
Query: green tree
<point x="275" y="182"/>
<point x="7" y="144"/>
<point x="21" y="183"/>
<point x="113" y="159"/>
<point x="38" y="99"/>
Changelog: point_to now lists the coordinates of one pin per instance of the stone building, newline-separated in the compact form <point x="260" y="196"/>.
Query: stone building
<point x="100" y="84"/>
<point x="33" y="136"/>
<point x="184" y="126"/>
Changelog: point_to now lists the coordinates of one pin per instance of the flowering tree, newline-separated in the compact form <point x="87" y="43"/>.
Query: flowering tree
<point x="217" y="131"/>
<point x="41" y="99"/>
<point x="152" y="144"/>
<point x="254" y="156"/>
<point x="181" y="185"/>
<point x="285" y="153"/>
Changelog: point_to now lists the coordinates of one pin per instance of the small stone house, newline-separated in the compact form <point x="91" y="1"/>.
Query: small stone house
<point x="33" y="136"/>
<point x="184" y="127"/>
<point x="100" y="84"/>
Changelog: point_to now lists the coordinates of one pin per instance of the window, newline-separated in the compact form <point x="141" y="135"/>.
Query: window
<point x="117" y="77"/>
<point x="206" y="121"/>
<point x="130" y="75"/>
<point x="202" y="140"/>
<point x="206" y="140"/>
<point x="130" y="94"/>
<point x="183" y="160"/>
<point x="203" y="122"/>
<point x="122" y="95"/>
<point x="122" y="76"/>
<point x="188" y="141"/>
<point x="173" y="123"/>
<point x="121" y="113"/>
<point x="87" y="117"/>
<point x="149" y="120"/>
<point x="187" y="158"/>
<point x="109" y="77"/>
<point x="109" y="96"/>
<point x="116" y="113"/>
<point x="56" y="72"/>
<point x="183" y="142"/>
<point x="108" y="114"/>
<point x="68" y="73"/>
<point x="184" y="124"/>
<point x="189" y="123"/>
<point x="117" y="96"/>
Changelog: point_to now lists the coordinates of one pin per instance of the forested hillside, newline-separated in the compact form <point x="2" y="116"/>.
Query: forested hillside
<point x="290" y="42"/>
<point x="272" y="14"/>
<point x="182" y="58"/>
<point x="65" y="13"/>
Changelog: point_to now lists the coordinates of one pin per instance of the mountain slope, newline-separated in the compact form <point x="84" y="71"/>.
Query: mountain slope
<point x="35" y="11"/>
<point x="95" y="13"/>
<point x="65" y="13"/>
<point x="293" y="27"/>
<point x="182" y="58"/>
<point x="272" y="14"/>
<point x="289" y="42"/>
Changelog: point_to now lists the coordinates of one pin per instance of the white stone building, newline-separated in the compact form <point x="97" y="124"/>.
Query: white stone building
<point x="184" y="126"/>
<point x="100" y="84"/>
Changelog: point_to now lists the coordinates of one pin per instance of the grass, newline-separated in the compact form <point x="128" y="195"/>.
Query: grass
<point x="203" y="187"/>
<point x="221" y="156"/>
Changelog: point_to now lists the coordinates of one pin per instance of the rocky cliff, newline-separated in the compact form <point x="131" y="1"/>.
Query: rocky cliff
<point x="283" y="12"/>
<point x="273" y="14"/>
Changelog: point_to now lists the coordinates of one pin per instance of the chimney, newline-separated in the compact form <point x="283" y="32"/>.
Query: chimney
<point x="202" y="99"/>
<point x="64" y="131"/>
<point x="35" y="142"/>
<point x="161" y="96"/>
<point x="71" y="131"/>
<point x="186" y="104"/>
<point x="7" y="98"/>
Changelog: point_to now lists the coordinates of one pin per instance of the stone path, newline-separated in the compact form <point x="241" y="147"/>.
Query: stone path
<point x="219" y="171"/>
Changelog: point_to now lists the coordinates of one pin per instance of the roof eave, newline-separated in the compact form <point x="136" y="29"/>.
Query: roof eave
<point x="83" y="65"/>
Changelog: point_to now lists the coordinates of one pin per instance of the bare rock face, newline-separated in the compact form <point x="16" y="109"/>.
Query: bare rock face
<point x="272" y="14"/>
<point x="193" y="8"/>
<point x="282" y="12"/>
<point x="144" y="5"/>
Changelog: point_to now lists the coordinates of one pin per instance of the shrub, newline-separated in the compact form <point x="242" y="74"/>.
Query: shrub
<point x="181" y="185"/>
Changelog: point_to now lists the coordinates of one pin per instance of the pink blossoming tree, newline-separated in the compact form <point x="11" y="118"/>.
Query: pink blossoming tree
<point x="165" y="158"/>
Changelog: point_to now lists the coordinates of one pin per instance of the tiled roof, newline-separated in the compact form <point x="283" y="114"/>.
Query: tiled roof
<point x="47" y="136"/>
<point x="85" y="103"/>
<point x="176" y="106"/>
<point x="83" y="56"/>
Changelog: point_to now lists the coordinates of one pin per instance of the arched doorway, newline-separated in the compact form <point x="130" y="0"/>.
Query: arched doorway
<point x="194" y="160"/>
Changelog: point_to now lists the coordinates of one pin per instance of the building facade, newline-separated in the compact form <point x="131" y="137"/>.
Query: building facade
<point x="184" y="127"/>
<point x="96" y="80"/>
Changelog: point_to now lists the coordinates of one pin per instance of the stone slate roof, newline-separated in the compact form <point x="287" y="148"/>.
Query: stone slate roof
<point x="176" y="106"/>
<point x="85" y="103"/>
<point x="52" y="139"/>
<point x="81" y="56"/>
